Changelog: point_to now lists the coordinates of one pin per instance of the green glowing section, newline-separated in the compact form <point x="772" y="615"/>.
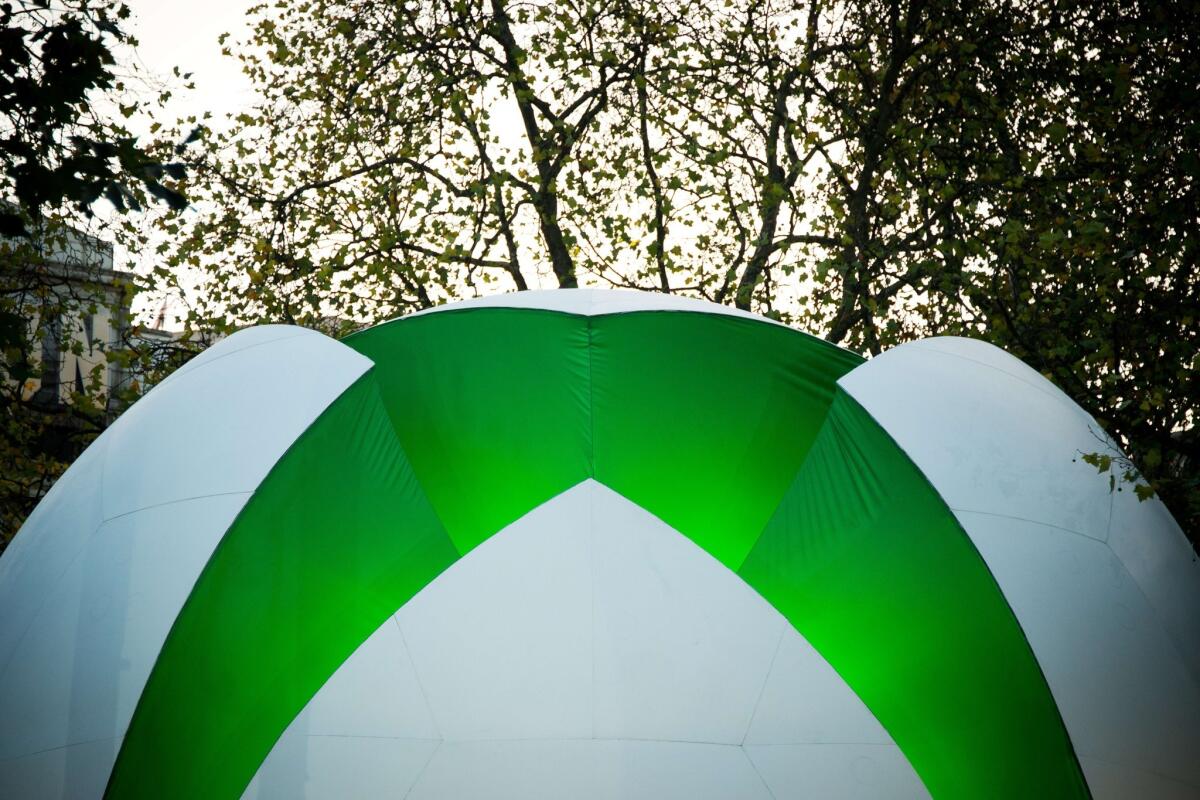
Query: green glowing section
<point x="730" y="430"/>
<point x="491" y="407"/>
<point x="866" y="561"/>
<point x="337" y="537"/>
<point x="703" y="420"/>
<point x="501" y="409"/>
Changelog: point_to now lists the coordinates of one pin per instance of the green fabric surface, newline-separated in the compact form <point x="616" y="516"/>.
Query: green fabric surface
<point x="703" y="419"/>
<point x="867" y="562"/>
<point x="730" y="430"/>
<point x="491" y="407"/>
<point x="337" y="537"/>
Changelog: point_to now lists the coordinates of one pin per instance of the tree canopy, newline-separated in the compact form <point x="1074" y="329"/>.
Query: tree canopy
<point x="875" y="172"/>
<point x="54" y="145"/>
<point x="64" y="148"/>
<point x="1021" y="172"/>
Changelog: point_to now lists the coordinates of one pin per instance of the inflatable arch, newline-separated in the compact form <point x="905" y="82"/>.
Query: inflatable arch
<point x="596" y="544"/>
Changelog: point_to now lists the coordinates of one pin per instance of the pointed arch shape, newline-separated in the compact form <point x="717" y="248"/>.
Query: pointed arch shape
<point x="731" y="430"/>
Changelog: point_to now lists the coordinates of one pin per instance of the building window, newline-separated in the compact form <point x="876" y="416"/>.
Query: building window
<point x="51" y="360"/>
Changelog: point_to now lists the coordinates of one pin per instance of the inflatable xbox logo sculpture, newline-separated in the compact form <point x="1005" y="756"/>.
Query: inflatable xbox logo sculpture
<point x="587" y="544"/>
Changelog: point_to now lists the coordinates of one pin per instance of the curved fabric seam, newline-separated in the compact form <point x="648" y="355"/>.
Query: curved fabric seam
<point x="1122" y="765"/>
<point x="1054" y="392"/>
<point x="767" y="323"/>
<point x="367" y="374"/>
<point x="753" y="766"/>
<point x="770" y="665"/>
<point x="1124" y="568"/>
<point x="377" y="391"/>
<point x="286" y="668"/>
<point x="139" y="510"/>
<point x="471" y="303"/>
<point x="395" y="620"/>
<point x="995" y="583"/>
<point x="779" y="504"/>
<point x="1071" y="531"/>
<point x="436" y="749"/>
<point x="56" y="748"/>
<point x="185" y="370"/>
<point x="45" y="596"/>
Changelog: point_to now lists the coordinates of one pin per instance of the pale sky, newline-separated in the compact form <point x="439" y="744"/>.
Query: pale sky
<point x="184" y="33"/>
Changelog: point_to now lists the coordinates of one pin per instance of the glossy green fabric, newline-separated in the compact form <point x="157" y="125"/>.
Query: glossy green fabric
<point x="703" y="419"/>
<point x="864" y="558"/>
<point x="491" y="407"/>
<point x="730" y="430"/>
<point x="338" y="536"/>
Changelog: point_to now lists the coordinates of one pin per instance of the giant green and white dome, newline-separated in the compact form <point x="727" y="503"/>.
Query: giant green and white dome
<point x="596" y="545"/>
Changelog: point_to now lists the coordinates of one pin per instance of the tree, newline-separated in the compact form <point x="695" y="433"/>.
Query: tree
<point x="62" y="152"/>
<point x="404" y="152"/>
<point x="877" y="171"/>
<point x="1094" y="275"/>
<point x="55" y="147"/>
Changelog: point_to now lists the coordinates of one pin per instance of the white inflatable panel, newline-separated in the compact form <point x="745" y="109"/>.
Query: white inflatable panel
<point x="502" y="641"/>
<point x="589" y="770"/>
<point x="376" y="693"/>
<point x="77" y="674"/>
<point x="93" y="581"/>
<point x="990" y="356"/>
<point x="1104" y="587"/>
<point x="78" y="772"/>
<point x="682" y="645"/>
<point x="47" y="544"/>
<point x="256" y="391"/>
<point x="1153" y="548"/>
<point x="254" y="403"/>
<point x="1112" y="782"/>
<point x="620" y="301"/>
<point x="859" y="771"/>
<point x="242" y="340"/>
<point x="342" y="767"/>
<point x="805" y="702"/>
<point x="587" y="651"/>
<point x="986" y="439"/>
<point x="593" y="302"/>
<point x="1123" y="691"/>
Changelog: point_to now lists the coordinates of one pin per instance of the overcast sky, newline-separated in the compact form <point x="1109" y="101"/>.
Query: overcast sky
<point x="184" y="33"/>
